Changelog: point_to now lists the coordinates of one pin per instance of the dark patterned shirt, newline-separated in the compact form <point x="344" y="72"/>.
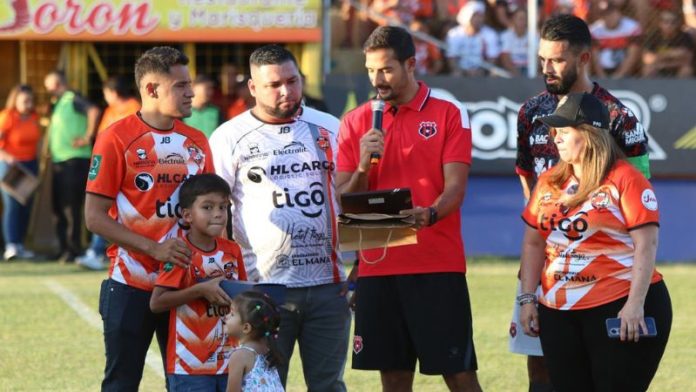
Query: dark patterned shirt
<point x="536" y="151"/>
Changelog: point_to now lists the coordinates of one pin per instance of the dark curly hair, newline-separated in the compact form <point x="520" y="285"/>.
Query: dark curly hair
<point x="259" y="310"/>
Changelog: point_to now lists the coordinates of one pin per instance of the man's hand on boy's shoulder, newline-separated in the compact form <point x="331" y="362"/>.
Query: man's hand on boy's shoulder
<point x="212" y="292"/>
<point x="173" y="250"/>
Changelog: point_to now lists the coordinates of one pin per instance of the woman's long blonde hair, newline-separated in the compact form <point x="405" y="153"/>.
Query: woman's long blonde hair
<point x="598" y="157"/>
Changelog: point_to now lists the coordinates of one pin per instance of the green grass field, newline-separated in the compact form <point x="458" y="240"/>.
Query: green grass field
<point x="46" y="346"/>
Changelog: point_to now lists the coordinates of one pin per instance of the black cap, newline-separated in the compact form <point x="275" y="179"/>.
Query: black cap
<point x="576" y="109"/>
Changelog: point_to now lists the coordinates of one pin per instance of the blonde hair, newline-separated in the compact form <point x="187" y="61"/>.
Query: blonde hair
<point x="598" y="157"/>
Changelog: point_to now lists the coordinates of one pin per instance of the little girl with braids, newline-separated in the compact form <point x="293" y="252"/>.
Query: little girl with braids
<point x="254" y="320"/>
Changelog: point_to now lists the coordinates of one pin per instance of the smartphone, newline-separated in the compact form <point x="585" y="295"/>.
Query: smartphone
<point x="614" y="328"/>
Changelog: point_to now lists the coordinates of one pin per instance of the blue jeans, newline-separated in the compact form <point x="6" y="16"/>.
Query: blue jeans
<point x="317" y="318"/>
<point x="184" y="383"/>
<point x="15" y="217"/>
<point x="128" y="329"/>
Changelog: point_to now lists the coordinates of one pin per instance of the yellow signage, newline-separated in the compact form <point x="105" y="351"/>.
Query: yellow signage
<point x="162" y="20"/>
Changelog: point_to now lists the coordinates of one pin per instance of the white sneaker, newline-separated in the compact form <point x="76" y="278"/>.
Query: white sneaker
<point x="11" y="251"/>
<point x="91" y="261"/>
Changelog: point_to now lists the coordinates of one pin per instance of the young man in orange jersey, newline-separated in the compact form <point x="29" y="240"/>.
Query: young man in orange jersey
<point x="199" y="349"/>
<point x="137" y="168"/>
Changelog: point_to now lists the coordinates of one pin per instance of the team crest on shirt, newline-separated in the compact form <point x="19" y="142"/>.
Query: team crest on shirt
<point x="230" y="270"/>
<point x="600" y="200"/>
<point x="513" y="329"/>
<point x="195" y="154"/>
<point x="427" y="129"/>
<point x="323" y="142"/>
<point x="357" y="344"/>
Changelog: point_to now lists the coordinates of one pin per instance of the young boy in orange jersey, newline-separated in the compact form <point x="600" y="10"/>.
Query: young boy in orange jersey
<point x="198" y="349"/>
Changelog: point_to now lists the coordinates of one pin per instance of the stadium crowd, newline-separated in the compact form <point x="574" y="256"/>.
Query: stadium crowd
<point x="631" y="38"/>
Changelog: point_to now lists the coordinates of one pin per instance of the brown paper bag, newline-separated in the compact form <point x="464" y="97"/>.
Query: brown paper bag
<point x="19" y="182"/>
<point x="359" y="235"/>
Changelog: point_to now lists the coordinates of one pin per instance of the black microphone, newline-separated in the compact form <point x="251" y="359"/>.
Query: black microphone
<point x="377" y="115"/>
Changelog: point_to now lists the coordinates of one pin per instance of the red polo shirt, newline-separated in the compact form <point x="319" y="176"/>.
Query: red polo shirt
<point x="420" y="137"/>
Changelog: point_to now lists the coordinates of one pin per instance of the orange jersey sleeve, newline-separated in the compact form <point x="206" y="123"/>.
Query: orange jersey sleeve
<point x="638" y="202"/>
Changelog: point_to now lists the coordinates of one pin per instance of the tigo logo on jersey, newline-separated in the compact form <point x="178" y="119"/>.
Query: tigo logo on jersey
<point x="649" y="199"/>
<point x="94" y="168"/>
<point x="144" y="182"/>
<point x="427" y="129"/>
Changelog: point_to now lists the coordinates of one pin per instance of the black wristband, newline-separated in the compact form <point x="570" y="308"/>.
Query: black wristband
<point x="433" y="216"/>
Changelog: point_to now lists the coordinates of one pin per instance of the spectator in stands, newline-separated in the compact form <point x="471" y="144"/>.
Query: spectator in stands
<point x="118" y="95"/>
<point x="668" y="51"/>
<point x="19" y="137"/>
<point x="513" y="56"/>
<point x="70" y="134"/>
<point x="205" y="116"/>
<point x="616" y="52"/>
<point x="428" y="55"/>
<point x="387" y="12"/>
<point x="471" y="45"/>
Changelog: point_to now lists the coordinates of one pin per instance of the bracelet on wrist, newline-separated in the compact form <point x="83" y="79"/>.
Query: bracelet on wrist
<point x="433" y="216"/>
<point x="527" y="298"/>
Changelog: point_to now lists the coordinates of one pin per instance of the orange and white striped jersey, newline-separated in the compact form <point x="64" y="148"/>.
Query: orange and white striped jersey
<point x="589" y="250"/>
<point x="197" y="343"/>
<point x="142" y="169"/>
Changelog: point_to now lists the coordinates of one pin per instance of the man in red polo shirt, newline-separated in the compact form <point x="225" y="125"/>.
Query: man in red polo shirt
<point x="413" y="304"/>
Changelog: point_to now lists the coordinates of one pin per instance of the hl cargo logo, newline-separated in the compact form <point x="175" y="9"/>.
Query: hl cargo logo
<point x="427" y="129"/>
<point x="94" y="168"/>
<point x="494" y="123"/>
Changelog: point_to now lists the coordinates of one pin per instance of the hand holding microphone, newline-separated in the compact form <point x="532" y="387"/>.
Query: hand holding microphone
<point x="377" y="116"/>
<point x="372" y="142"/>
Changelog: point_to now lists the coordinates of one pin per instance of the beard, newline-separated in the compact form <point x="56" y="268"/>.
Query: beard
<point x="279" y="113"/>
<point x="565" y="83"/>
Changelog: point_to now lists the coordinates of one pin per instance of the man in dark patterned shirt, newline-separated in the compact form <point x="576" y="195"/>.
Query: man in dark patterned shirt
<point x="565" y="56"/>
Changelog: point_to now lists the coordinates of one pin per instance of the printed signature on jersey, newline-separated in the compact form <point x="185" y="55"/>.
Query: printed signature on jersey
<point x="306" y="236"/>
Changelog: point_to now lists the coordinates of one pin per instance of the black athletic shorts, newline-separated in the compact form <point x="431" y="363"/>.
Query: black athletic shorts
<point x="403" y="318"/>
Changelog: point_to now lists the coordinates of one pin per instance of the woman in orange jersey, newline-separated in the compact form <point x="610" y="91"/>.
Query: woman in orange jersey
<point x="19" y="138"/>
<point x="591" y="239"/>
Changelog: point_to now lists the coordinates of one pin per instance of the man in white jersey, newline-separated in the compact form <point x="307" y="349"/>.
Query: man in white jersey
<point x="279" y="159"/>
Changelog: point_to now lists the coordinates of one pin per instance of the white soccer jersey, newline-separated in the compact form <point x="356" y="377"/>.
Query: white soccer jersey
<point x="284" y="205"/>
